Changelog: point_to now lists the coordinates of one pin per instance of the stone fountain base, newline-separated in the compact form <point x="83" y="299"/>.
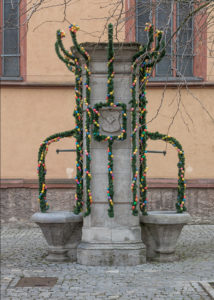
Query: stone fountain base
<point x="115" y="254"/>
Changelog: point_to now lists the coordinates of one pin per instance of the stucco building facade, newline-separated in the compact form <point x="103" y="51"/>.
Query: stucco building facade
<point x="40" y="100"/>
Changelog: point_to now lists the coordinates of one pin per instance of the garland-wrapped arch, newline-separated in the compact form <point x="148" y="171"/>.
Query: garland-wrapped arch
<point x="181" y="198"/>
<point x="41" y="169"/>
<point x="146" y="59"/>
<point x="72" y="63"/>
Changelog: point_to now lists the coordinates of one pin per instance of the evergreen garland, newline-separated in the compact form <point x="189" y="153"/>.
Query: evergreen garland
<point x="181" y="198"/>
<point x="148" y="58"/>
<point x="96" y="130"/>
<point x="144" y="73"/>
<point x="72" y="64"/>
<point x="79" y="141"/>
<point x="96" y="114"/>
<point x="41" y="169"/>
<point x="134" y="142"/>
<point x="110" y="188"/>
<point x="110" y="139"/>
<point x="73" y="29"/>
<point x="110" y="64"/>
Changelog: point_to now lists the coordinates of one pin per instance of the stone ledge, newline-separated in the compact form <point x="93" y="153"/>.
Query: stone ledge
<point x="33" y="183"/>
<point x="200" y="183"/>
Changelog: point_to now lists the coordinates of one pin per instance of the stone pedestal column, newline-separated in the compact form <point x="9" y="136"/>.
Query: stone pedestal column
<point x="105" y="240"/>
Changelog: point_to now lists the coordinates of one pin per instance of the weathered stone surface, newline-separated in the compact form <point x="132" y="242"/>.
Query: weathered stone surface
<point x="165" y="218"/>
<point x="18" y="204"/>
<point x="160" y="231"/>
<point x="111" y="254"/>
<point x="99" y="61"/>
<point x="74" y="240"/>
<point x="56" y="217"/>
<point x="110" y="121"/>
<point x="62" y="231"/>
<point x="98" y="228"/>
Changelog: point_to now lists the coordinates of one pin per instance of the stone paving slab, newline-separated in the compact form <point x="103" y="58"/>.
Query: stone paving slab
<point x="24" y="250"/>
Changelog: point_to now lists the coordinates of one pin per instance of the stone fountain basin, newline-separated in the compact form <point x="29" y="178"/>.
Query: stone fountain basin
<point x="160" y="231"/>
<point x="62" y="231"/>
<point x="57" y="216"/>
<point x="166" y="217"/>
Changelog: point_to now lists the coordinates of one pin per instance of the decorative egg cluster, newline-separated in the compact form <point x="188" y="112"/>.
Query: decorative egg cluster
<point x="74" y="28"/>
<point x="148" y="27"/>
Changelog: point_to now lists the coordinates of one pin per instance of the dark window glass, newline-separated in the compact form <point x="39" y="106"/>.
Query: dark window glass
<point x="184" y="40"/>
<point x="11" y="13"/>
<point x="162" y="13"/>
<point x="144" y="15"/>
<point x="164" y="22"/>
<point x="11" y="66"/>
<point x="10" y="42"/>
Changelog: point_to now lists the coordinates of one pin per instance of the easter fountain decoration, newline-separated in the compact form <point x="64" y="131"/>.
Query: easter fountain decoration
<point x="105" y="227"/>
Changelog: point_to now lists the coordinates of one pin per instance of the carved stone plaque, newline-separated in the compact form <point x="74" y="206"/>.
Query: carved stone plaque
<point x="110" y="120"/>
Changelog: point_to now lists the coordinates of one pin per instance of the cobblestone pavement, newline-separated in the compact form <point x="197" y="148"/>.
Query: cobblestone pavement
<point x="23" y="252"/>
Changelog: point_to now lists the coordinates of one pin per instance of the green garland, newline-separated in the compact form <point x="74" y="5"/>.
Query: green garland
<point x="79" y="141"/>
<point x="41" y="169"/>
<point x="147" y="58"/>
<point x="110" y="139"/>
<point x="96" y="130"/>
<point x="144" y="73"/>
<point x="73" y="29"/>
<point x="96" y="114"/>
<point x="72" y="64"/>
<point x="134" y="142"/>
<point x="181" y="198"/>
<point x="110" y="64"/>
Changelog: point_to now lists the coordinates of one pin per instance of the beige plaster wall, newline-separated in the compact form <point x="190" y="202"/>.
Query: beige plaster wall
<point x="192" y="127"/>
<point x="42" y="62"/>
<point x="29" y="115"/>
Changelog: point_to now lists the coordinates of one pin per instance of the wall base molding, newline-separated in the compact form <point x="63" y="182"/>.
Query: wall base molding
<point x="70" y="183"/>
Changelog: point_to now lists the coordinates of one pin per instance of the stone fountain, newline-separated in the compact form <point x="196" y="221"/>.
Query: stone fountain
<point x="111" y="139"/>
